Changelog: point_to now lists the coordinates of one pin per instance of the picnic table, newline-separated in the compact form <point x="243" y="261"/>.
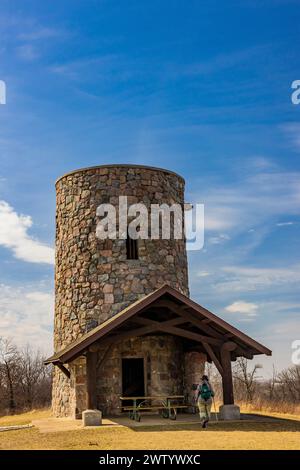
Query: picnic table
<point x="164" y="404"/>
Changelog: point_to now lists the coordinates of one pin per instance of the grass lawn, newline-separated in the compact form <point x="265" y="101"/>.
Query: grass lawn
<point x="283" y="434"/>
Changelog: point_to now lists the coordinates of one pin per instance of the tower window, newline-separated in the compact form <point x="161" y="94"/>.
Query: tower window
<point x="132" y="249"/>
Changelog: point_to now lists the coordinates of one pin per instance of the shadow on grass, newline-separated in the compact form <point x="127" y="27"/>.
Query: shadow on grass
<point x="248" y="423"/>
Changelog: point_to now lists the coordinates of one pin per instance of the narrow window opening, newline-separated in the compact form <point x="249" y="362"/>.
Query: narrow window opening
<point x="132" y="248"/>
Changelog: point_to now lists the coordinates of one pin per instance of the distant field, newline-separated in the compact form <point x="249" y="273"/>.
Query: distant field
<point x="283" y="434"/>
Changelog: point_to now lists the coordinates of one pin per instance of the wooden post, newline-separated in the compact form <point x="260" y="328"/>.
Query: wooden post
<point x="228" y="398"/>
<point x="91" y="382"/>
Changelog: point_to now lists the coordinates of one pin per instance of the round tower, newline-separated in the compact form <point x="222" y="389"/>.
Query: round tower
<point x="94" y="279"/>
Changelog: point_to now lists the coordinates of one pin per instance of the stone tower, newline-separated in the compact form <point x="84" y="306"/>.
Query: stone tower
<point x="94" y="279"/>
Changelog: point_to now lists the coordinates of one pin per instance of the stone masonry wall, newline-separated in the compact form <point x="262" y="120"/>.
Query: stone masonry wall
<point x="162" y="361"/>
<point x="194" y="366"/>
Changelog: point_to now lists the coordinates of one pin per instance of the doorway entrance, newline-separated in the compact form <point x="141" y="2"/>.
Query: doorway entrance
<point x="133" y="382"/>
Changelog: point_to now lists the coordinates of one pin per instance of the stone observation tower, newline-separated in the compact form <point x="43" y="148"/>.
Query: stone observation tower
<point x="95" y="279"/>
<point x="119" y="303"/>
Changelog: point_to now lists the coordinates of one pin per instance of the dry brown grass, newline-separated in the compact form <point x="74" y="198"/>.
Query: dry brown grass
<point x="282" y="434"/>
<point x="221" y="436"/>
<point x="266" y="407"/>
<point x="24" y="418"/>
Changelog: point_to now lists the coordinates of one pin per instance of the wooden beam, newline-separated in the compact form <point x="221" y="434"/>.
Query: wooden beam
<point x="151" y="327"/>
<point x="228" y="398"/>
<point x="213" y="357"/>
<point x="240" y="351"/>
<point x="191" y="335"/>
<point x="63" y="369"/>
<point x="202" y="324"/>
<point x="91" y="380"/>
<point x="148" y="321"/>
<point x="117" y="337"/>
<point x="166" y="327"/>
<point x="228" y="335"/>
<point x="229" y="346"/>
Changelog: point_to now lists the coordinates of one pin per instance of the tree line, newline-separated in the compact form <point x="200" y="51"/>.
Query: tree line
<point x="25" y="382"/>
<point x="279" y="393"/>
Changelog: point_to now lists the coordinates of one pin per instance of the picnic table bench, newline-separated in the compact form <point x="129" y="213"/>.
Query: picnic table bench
<point x="144" y="403"/>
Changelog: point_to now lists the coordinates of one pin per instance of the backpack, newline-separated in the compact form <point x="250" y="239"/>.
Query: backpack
<point x="205" y="391"/>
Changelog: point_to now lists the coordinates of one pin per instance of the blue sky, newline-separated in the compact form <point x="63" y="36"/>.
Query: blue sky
<point x="202" y="88"/>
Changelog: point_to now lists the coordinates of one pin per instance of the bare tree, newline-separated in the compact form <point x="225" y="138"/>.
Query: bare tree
<point x="271" y="385"/>
<point x="9" y="364"/>
<point x="289" y="380"/>
<point x="246" y="377"/>
<point x="32" y="370"/>
<point x="24" y="380"/>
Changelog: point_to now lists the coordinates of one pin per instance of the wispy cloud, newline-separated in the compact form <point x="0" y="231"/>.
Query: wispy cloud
<point x="14" y="236"/>
<point x="283" y="224"/>
<point x="245" y="279"/>
<point x="241" y="307"/>
<point x="81" y="69"/>
<point x="203" y="273"/>
<point x="249" y="201"/>
<point x="40" y="33"/>
<point x="219" y="239"/>
<point x="28" y="313"/>
<point x="28" y="34"/>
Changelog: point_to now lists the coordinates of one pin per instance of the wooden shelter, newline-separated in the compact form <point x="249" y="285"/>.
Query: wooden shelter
<point x="165" y="311"/>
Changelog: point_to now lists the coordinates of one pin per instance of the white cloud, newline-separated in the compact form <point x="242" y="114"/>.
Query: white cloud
<point x="219" y="217"/>
<point x="219" y="239"/>
<point x="279" y="336"/>
<point x="27" y="316"/>
<point x="203" y="274"/>
<point x="283" y="224"/>
<point x="39" y="296"/>
<point x="225" y="280"/>
<point x="246" y="308"/>
<point x="251" y="279"/>
<point x="14" y="236"/>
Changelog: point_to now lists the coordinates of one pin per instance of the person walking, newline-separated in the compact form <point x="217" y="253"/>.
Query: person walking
<point x="204" y="398"/>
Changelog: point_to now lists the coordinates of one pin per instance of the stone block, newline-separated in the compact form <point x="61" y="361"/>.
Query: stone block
<point x="229" y="412"/>
<point x="91" y="418"/>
